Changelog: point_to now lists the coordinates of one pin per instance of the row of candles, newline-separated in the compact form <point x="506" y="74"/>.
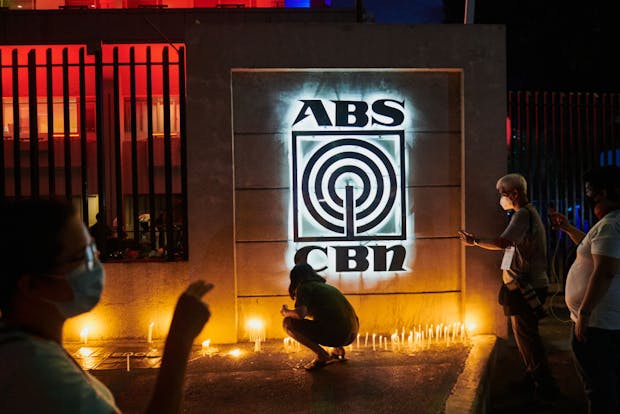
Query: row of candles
<point x="417" y="338"/>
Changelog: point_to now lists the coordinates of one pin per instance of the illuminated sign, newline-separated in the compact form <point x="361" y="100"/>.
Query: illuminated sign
<point x="348" y="183"/>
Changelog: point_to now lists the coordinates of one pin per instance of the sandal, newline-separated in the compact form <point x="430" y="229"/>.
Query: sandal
<point x="315" y="365"/>
<point x="338" y="354"/>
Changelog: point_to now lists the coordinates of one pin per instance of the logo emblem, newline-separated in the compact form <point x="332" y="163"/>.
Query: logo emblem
<point x="348" y="185"/>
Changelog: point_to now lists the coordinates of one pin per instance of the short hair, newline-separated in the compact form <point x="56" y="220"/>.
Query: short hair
<point x="605" y="178"/>
<point x="29" y="240"/>
<point x="512" y="182"/>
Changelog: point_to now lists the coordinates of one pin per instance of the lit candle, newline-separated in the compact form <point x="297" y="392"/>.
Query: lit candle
<point x="358" y="341"/>
<point x="394" y="339"/>
<point x="149" y="337"/>
<point x="256" y="332"/>
<point x="373" y="342"/>
<point x="366" y="341"/>
<point x="128" y="366"/>
<point x="380" y="341"/>
<point x="84" y="335"/>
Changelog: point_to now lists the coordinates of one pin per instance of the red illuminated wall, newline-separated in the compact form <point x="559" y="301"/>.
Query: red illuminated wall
<point x="125" y="4"/>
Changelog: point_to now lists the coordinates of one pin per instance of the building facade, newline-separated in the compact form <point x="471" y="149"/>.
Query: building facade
<point x="227" y="144"/>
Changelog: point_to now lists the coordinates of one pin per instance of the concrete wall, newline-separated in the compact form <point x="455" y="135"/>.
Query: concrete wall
<point x="237" y="239"/>
<point x="427" y="291"/>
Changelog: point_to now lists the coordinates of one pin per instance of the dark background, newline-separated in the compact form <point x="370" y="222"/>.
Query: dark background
<point x="551" y="45"/>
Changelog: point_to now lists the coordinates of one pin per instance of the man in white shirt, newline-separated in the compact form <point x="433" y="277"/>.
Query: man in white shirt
<point x="593" y="292"/>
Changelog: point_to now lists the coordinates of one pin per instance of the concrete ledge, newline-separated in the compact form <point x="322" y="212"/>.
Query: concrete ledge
<point x="471" y="392"/>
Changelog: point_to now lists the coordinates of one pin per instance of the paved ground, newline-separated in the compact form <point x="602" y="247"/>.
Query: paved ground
<point x="506" y="395"/>
<point x="370" y="381"/>
<point x="382" y="381"/>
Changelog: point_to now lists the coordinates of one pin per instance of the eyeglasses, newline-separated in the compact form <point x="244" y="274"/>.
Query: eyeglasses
<point x="90" y="255"/>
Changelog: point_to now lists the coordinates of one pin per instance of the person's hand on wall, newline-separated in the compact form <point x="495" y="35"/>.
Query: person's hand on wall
<point x="467" y="238"/>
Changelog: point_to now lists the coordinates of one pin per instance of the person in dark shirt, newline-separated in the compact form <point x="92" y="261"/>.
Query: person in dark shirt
<point x="525" y="281"/>
<point x="333" y="324"/>
<point x="101" y="233"/>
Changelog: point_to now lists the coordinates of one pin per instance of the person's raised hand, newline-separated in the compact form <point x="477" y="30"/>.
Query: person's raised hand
<point x="284" y="310"/>
<point x="558" y="219"/>
<point x="191" y="312"/>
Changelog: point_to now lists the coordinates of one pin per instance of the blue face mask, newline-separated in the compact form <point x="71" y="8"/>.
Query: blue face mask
<point x="86" y="282"/>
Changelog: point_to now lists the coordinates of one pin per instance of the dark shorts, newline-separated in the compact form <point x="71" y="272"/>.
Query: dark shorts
<point x="513" y="302"/>
<point x="323" y="334"/>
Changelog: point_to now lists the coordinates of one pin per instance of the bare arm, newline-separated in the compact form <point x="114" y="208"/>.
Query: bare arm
<point x="190" y="315"/>
<point x="573" y="232"/>
<point x="299" y="312"/>
<point x="605" y="269"/>
<point x="488" y="244"/>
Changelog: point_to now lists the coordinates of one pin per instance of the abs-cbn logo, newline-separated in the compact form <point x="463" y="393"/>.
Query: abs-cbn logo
<point x="348" y="172"/>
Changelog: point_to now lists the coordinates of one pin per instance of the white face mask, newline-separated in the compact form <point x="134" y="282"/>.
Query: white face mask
<point x="87" y="285"/>
<point x="506" y="203"/>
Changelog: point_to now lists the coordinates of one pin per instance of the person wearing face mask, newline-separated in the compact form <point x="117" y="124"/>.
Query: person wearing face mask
<point x="525" y="281"/>
<point x="50" y="272"/>
<point x="592" y="291"/>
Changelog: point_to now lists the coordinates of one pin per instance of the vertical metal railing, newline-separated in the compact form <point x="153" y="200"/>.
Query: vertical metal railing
<point x="134" y="144"/>
<point x="183" y="141"/>
<point x="83" y="138"/>
<point x="17" y="166"/>
<point x="555" y="138"/>
<point x="51" y="156"/>
<point x="66" y="118"/>
<point x="62" y="85"/>
<point x="34" y="128"/>
<point x="150" y="148"/>
<point x="118" y="170"/>
<point x="168" y="214"/>
<point x="2" y="167"/>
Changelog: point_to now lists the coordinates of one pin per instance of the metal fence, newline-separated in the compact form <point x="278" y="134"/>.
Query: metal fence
<point x="105" y="129"/>
<point x="553" y="138"/>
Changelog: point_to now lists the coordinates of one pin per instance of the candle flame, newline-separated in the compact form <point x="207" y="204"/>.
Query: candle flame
<point x="236" y="353"/>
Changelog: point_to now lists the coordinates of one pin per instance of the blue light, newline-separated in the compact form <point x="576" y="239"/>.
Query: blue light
<point x="297" y="4"/>
<point x="608" y="157"/>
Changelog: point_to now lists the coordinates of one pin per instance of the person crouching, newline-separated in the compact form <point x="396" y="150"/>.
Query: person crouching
<point x="333" y="324"/>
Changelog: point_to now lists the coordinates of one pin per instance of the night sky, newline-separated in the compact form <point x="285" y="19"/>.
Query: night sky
<point x="551" y="44"/>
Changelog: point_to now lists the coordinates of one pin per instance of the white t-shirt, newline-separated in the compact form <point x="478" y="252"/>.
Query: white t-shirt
<point x="38" y="376"/>
<point x="603" y="239"/>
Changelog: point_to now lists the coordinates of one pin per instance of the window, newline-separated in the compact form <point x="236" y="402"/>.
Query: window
<point x="128" y="183"/>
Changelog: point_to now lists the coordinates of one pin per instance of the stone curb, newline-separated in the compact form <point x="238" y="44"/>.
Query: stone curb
<point x="471" y="392"/>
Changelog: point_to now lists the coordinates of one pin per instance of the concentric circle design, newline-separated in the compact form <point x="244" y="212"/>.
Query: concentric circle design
<point x="349" y="186"/>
